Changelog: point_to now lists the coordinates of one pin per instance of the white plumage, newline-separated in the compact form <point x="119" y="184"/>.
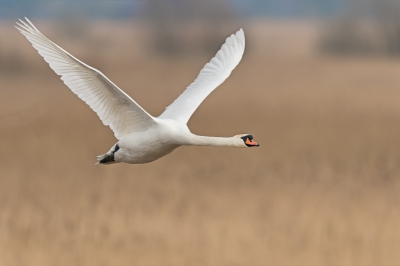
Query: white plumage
<point x="142" y="138"/>
<point x="211" y="76"/>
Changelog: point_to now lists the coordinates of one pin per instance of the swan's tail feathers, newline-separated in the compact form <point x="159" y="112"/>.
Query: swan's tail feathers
<point x="108" y="158"/>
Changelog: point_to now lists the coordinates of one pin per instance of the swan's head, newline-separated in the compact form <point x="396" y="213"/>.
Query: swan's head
<point x="246" y="140"/>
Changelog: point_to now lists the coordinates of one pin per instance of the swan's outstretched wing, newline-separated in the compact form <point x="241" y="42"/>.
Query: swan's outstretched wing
<point x="211" y="76"/>
<point x="114" y="107"/>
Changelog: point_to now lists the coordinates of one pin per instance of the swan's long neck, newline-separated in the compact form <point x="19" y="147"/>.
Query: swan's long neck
<point x="211" y="141"/>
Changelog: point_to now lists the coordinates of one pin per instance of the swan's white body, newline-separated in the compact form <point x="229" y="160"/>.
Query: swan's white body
<point x="142" y="138"/>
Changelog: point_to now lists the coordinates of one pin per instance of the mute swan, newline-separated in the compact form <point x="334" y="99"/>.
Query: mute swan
<point x="142" y="137"/>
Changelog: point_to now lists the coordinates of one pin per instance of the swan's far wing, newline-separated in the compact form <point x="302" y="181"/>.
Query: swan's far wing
<point x="114" y="107"/>
<point x="211" y="76"/>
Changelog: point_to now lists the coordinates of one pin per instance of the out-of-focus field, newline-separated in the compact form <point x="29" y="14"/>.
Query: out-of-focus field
<point x="323" y="188"/>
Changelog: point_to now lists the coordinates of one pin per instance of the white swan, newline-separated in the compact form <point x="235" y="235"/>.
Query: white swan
<point x="142" y="138"/>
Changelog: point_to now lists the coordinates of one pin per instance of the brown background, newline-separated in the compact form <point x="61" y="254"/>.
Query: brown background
<point x="323" y="188"/>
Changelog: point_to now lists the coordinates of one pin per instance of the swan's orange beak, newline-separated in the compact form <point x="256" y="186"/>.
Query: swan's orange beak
<point x="251" y="143"/>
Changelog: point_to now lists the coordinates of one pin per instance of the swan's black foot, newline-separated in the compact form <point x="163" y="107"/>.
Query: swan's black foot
<point x="108" y="158"/>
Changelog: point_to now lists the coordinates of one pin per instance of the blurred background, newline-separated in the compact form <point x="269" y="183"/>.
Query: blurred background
<point x="318" y="87"/>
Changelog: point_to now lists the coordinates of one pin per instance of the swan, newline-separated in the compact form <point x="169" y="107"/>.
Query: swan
<point x="142" y="138"/>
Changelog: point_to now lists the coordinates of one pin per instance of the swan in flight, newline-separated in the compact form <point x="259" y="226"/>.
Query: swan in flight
<point x="142" y="138"/>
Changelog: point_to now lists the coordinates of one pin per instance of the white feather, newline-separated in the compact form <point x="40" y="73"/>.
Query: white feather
<point x="114" y="107"/>
<point x="211" y="76"/>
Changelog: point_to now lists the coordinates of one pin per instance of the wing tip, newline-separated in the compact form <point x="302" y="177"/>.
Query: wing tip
<point x="240" y="35"/>
<point x="237" y="37"/>
<point x="26" y="25"/>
